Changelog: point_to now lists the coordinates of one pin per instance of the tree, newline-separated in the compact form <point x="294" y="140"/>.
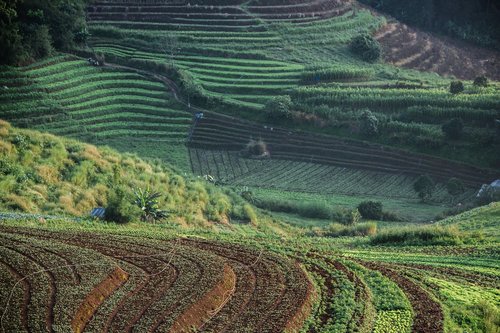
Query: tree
<point x="147" y="201"/>
<point x="481" y="81"/>
<point x="30" y="29"/>
<point x="279" y="108"/>
<point x="366" y="47"/>
<point x="456" y="87"/>
<point x="453" y="129"/>
<point x="368" y="124"/>
<point x="455" y="187"/>
<point x="424" y="186"/>
<point x="371" y="210"/>
<point x="119" y="209"/>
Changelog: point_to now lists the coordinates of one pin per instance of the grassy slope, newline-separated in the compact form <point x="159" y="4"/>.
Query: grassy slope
<point x="483" y="219"/>
<point x="40" y="172"/>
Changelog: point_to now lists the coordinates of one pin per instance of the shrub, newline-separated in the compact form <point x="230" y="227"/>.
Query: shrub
<point x="366" y="47"/>
<point x="455" y="186"/>
<point x="481" y="81"/>
<point x="423" y="235"/>
<point x="371" y="210"/>
<point x="453" y="129"/>
<point x="456" y="87"/>
<point x="279" y="108"/>
<point x="339" y="230"/>
<point x="250" y="214"/>
<point x="257" y="148"/>
<point x="424" y="186"/>
<point x="368" y="124"/>
<point x="319" y="210"/>
<point x="119" y="209"/>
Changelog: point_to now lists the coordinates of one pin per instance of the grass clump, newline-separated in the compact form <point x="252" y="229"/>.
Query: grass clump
<point x="340" y="230"/>
<point x="424" y="235"/>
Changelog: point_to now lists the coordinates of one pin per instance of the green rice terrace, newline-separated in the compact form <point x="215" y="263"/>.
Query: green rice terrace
<point x="250" y="166"/>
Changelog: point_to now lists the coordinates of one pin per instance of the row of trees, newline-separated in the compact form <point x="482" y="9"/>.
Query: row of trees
<point x="31" y="29"/>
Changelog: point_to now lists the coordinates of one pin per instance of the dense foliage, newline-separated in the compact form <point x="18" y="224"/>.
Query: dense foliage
<point x="31" y="29"/>
<point x="366" y="47"/>
<point x="475" y="21"/>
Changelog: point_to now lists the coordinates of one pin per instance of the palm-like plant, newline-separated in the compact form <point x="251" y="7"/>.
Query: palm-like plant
<point x="147" y="201"/>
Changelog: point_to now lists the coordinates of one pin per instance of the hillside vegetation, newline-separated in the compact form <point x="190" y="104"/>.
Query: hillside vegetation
<point x="42" y="173"/>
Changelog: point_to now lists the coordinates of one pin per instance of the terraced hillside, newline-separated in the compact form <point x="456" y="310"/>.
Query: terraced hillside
<point x="239" y="61"/>
<point x="87" y="278"/>
<point x="225" y="47"/>
<point x="66" y="96"/>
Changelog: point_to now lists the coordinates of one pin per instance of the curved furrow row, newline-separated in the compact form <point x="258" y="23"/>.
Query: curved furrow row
<point x="429" y="316"/>
<point x="14" y="299"/>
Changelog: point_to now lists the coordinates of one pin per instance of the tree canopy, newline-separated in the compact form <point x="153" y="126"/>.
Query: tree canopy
<point x="472" y="20"/>
<point x="31" y="29"/>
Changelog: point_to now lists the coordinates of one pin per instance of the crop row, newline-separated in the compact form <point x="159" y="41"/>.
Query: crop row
<point x="308" y="177"/>
<point x="67" y="96"/>
<point x="167" y="283"/>
<point x="218" y="132"/>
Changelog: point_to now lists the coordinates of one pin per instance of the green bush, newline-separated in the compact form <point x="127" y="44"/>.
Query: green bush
<point x="119" y="209"/>
<point x="424" y="186"/>
<point x="456" y="87"/>
<point x="453" y="129"/>
<point x="481" y="81"/>
<point x="366" y="47"/>
<point x="368" y="124"/>
<point x="371" y="210"/>
<point x="279" y="108"/>
<point x="319" y="210"/>
<point x="455" y="186"/>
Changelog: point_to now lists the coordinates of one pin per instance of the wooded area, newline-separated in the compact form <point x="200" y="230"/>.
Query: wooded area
<point x="31" y="29"/>
<point x="475" y="21"/>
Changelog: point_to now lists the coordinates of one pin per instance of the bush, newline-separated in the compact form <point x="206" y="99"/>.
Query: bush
<point x="368" y="124"/>
<point x="339" y="230"/>
<point x="455" y="186"/>
<point x="250" y="214"/>
<point x="319" y="210"/>
<point x="279" y="108"/>
<point x="119" y="209"/>
<point x="256" y="148"/>
<point x="366" y="47"/>
<point x="456" y="87"/>
<point x="424" y="186"/>
<point x="481" y="81"/>
<point x="371" y="210"/>
<point x="424" y="235"/>
<point x="453" y="129"/>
